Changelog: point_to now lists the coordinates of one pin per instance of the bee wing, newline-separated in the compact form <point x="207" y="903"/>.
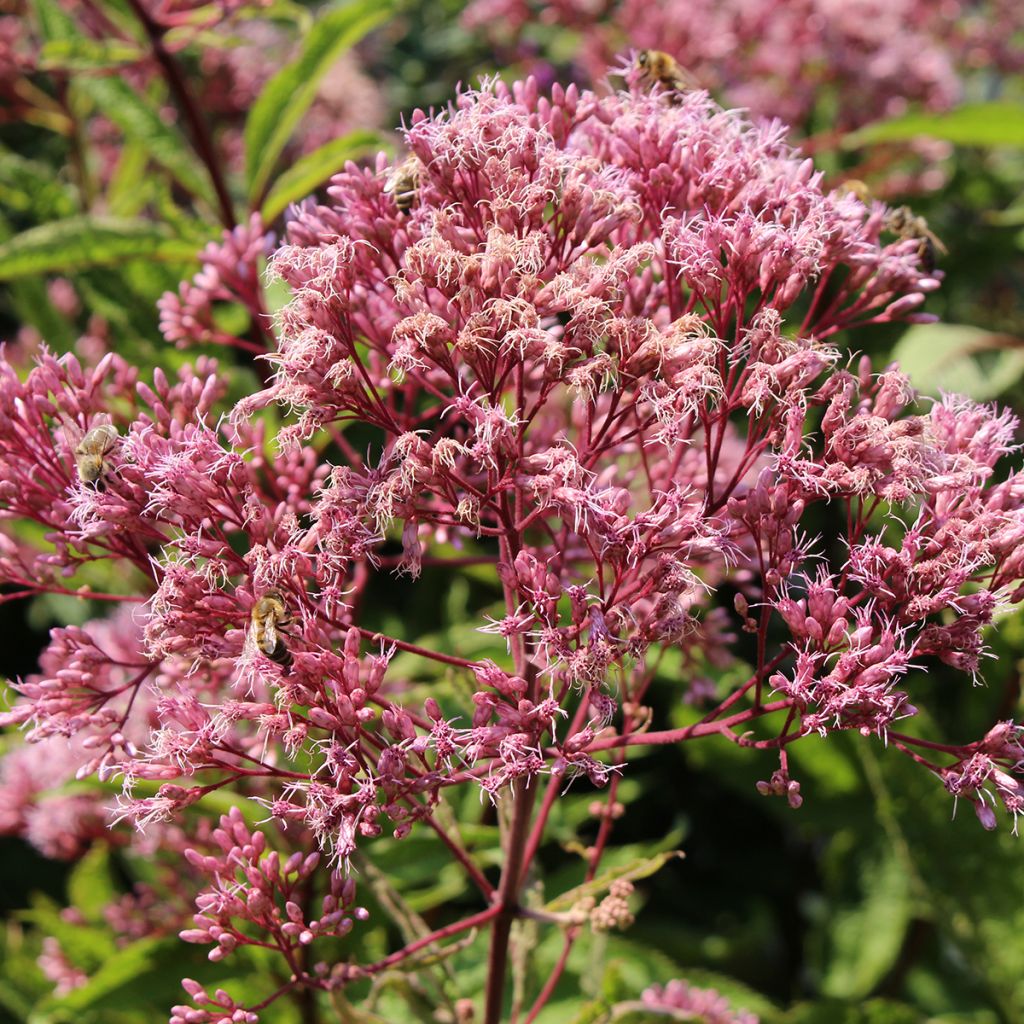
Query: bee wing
<point x="110" y="437"/>
<point x="72" y="434"/>
<point x="936" y="241"/>
<point x="689" y="79"/>
<point x="270" y="637"/>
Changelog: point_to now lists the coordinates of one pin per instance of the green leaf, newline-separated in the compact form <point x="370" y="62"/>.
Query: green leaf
<point x="30" y="301"/>
<point x="973" y="124"/>
<point x="139" y="981"/>
<point x="960" y="358"/>
<point x="865" y="938"/>
<point x="129" y="188"/>
<point x="288" y="95"/>
<point x="77" y="243"/>
<point x="91" y="885"/>
<point x="1012" y="216"/>
<point x="594" y="1012"/>
<point x="641" y="867"/>
<point x="117" y="972"/>
<point x="85" y="946"/>
<point x="29" y="186"/>
<point x="874" y="1011"/>
<point x="54" y="23"/>
<point x="142" y="124"/>
<point x="971" y="882"/>
<point x="83" y="54"/>
<point x="313" y="169"/>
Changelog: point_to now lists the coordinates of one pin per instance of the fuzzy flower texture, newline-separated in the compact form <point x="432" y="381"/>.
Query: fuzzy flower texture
<point x="587" y="343"/>
<point x="779" y="58"/>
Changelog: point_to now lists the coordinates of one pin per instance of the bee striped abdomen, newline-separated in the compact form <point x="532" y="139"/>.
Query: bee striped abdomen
<point x="278" y="653"/>
<point x="269" y="614"/>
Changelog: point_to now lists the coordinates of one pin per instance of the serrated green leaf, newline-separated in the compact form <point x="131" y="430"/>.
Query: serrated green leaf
<point x="84" y="54"/>
<point x="142" y="124"/>
<point x="77" y="243"/>
<point x="641" y="867"/>
<point x="288" y="95"/>
<point x="313" y="169"/>
<point x="973" y="124"/>
<point x="960" y="358"/>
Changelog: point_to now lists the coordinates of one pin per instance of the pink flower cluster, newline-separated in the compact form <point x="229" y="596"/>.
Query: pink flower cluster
<point x="229" y="274"/>
<point x="254" y="896"/>
<point x="591" y="341"/>
<point x="703" y="1004"/>
<point x="778" y="57"/>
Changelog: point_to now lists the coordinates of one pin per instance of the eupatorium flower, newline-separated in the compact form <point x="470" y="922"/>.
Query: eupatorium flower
<point x="778" y="57"/>
<point x="593" y="343"/>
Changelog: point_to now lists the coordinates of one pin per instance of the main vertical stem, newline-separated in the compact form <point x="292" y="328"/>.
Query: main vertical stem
<point x="507" y="898"/>
<point x="179" y="87"/>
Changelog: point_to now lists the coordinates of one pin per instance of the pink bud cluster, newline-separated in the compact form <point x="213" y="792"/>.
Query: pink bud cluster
<point x="230" y="273"/>
<point x="778" y="57"/>
<point x="594" y="347"/>
<point x="694" y="1003"/>
<point x="253" y="888"/>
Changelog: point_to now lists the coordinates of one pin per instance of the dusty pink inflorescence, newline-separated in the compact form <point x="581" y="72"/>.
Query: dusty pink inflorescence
<point x="594" y="344"/>
<point x="229" y="273"/>
<point x="778" y="58"/>
<point x="703" y="1004"/>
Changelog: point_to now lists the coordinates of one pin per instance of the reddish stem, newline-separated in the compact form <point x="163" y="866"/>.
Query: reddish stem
<point x="179" y="86"/>
<point x="508" y="891"/>
<point x="689" y="732"/>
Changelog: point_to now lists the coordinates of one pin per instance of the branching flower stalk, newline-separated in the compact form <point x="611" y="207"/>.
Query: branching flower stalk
<point x="592" y="351"/>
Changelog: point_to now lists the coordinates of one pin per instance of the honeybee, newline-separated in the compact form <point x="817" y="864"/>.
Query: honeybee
<point x="269" y="616"/>
<point x="904" y="223"/>
<point x="857" y="188"/>
<point x="92" y="451"/>
<point x="659" y="68"/>
<point x="403" y="182"/>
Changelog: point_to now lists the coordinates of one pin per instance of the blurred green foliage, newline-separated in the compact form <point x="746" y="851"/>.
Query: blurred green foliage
<point x="868" y="905"/>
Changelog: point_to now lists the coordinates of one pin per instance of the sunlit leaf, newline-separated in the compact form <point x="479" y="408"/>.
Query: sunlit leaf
<point x="54" y="22"/>
<point x="865" y="937"/>
<point x="141" y="124"/>
<point x="91" y="886"/>
<point x="314" y="169"/>
<point x="85" y="946"/>
<point x="29" y="186"/>
<point x="84" y="54"/>
<point x="642" y="867"/>
<point x="288" y="95"/>
<point x="77" y="243"/>
<point x="960" y="358"/>
<point x="973" y="124"/>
